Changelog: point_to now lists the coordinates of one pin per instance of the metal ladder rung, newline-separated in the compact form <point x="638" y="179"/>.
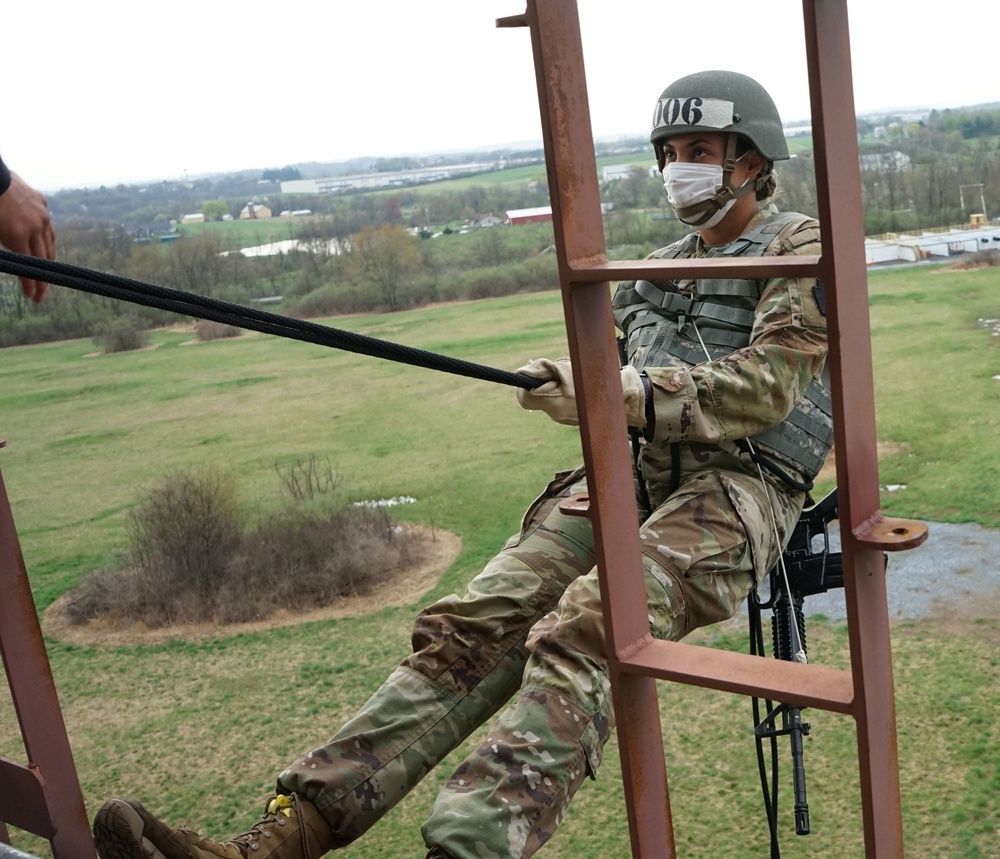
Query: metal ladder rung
<point x="789" y="682"/>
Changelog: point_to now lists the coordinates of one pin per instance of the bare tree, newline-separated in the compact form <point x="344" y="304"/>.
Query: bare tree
<point x="387" y="255"/>
<point x="195" y="265"/>
<point x="491" y="246"/>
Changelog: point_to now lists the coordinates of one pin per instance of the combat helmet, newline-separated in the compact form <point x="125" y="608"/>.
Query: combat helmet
<point x="727" y="102"/>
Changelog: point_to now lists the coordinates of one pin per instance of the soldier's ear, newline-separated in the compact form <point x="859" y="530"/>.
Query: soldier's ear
<point x="755" y="163"/>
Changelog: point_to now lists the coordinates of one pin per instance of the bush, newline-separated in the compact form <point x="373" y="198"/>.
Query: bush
<point x="187" y="528"/>
<point x="38" y="329"/>
<point x="978" y="259"/>
<point x="206" y="330"/>
<point x="301" y="562"/>
<point x="330" y="301"/>
<point x="307" y="479"/>
<point x="193" y="560"/>
<point x="535" y="275"/>
<point x="124" y="334"/>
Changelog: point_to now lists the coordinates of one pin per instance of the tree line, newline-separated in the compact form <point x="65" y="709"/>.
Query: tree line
<point x="386" y="251"/>
<point x="378" y="267"/>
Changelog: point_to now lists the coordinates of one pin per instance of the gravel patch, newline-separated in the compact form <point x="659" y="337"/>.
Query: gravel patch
<point x="957" y="569"/>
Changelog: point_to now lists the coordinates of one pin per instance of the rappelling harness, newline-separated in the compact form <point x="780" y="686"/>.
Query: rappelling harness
<point x="671" y="323"/>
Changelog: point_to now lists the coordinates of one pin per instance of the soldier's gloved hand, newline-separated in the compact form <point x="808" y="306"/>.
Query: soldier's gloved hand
<point x="634" y="392"/>
<point x="557" y="397"/>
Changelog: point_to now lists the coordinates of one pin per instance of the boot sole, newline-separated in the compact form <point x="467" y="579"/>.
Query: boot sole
<point x="118" y="833"/>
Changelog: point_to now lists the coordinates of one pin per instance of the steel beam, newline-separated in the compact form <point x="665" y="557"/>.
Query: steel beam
<point x="843" y="267"/>
<point x="44" y="796"/>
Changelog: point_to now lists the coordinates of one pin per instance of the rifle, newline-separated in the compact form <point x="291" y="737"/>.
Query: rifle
<point x="811" y="568"/>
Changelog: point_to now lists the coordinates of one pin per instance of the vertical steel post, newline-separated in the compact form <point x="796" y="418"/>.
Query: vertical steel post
<point x="579" y="235"/>
<point x="843" y="269"/>
<point x="44" y="797"/>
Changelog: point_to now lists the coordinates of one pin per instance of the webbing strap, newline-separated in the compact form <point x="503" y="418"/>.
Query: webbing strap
<point x="681" y="305"/>
<point x="252" y="319"/>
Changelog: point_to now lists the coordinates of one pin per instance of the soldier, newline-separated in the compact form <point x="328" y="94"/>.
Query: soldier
<point x="722" y="380"/>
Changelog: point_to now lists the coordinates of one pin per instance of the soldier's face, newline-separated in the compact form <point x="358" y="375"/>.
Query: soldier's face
<point x="699" y="148"/>
<point x="710" y="148"/>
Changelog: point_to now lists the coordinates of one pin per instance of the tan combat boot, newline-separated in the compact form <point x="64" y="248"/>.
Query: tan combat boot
<point x="291" y="828"/>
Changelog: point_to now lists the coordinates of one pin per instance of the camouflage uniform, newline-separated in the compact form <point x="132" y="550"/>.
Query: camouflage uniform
<point x="532" y="619"/>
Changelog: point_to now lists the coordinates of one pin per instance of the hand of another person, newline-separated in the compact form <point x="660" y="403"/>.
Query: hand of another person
<point x="557" y="397"/>
<point x="26" y="228"/>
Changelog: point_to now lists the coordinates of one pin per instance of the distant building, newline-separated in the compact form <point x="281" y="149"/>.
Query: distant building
<point x="895" y="161"/>
<point x="255" y="211"/>
<point x="537" y="215"/>
<point x="390" y="179"/>
<point x="153" y="230"/>
<point x="193" y="218"/>
<point x="614" y="172"/>
<point x="924" y="244"/>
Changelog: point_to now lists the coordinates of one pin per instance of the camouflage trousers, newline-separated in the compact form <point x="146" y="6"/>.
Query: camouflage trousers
<point x="531" y="624"/>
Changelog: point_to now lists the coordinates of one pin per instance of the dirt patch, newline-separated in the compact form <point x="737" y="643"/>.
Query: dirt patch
<point x="102" y="354"/>
<point x="883" y="449"/>
<point x="437" y="551"/>
<point x="978" y="612"/>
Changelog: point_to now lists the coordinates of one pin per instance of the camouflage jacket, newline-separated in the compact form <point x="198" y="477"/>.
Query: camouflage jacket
<point x="703" y="408"/>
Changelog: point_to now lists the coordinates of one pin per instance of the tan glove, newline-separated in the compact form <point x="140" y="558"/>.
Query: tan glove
<point x="557" y="397"/>
<point x="634" y="393"/>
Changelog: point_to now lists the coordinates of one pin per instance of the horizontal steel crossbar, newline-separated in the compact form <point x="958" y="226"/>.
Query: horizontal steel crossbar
<point x="24" y="804"/>
<point x="596" y="271"/>
<point x="789" y="682"/>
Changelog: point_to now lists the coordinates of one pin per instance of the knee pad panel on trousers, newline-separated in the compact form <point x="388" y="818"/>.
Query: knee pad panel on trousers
<point x="704" y="549"/>
<point x="458" y="640"/>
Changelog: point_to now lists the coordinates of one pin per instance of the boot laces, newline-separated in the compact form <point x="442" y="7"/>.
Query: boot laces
<point x="276" y="813"/>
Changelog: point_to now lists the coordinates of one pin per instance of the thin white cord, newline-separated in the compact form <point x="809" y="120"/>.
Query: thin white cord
<point x="704" y="348"/>
<point x="800" y="653"/>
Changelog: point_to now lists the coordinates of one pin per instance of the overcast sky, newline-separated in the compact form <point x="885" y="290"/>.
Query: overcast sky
<point x="109" y="91"/>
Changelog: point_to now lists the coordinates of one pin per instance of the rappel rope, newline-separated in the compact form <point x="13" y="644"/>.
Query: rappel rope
<point x="252" y="319"/>
<point x="800" y="653"/>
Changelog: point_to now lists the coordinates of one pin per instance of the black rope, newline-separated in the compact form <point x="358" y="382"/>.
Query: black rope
<point x="252" y="319"/>
<point x="769" y="786"/>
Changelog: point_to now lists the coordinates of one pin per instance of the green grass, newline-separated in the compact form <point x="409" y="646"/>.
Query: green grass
<point x="936" y="395"/>
<point x="198" y="730"/>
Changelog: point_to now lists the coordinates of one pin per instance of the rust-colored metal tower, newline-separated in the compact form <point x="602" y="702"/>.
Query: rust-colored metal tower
<point x="637" y="660"/>
<point x="43" y="796"/>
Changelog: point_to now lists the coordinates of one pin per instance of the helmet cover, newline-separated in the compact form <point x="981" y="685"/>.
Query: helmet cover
<point x="720" y="101"/>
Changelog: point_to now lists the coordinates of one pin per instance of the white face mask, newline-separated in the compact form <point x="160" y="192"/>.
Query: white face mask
<point x="687" y="184"/>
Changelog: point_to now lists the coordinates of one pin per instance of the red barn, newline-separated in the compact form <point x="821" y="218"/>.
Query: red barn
<point x="537" y="215"/>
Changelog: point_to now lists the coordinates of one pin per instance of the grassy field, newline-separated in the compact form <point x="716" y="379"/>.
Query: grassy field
<point x="237" y="234"/>
<point x="197" y="730"/>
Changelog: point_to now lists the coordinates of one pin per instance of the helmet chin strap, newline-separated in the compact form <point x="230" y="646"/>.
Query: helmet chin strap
<point x="707" y="208"/>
